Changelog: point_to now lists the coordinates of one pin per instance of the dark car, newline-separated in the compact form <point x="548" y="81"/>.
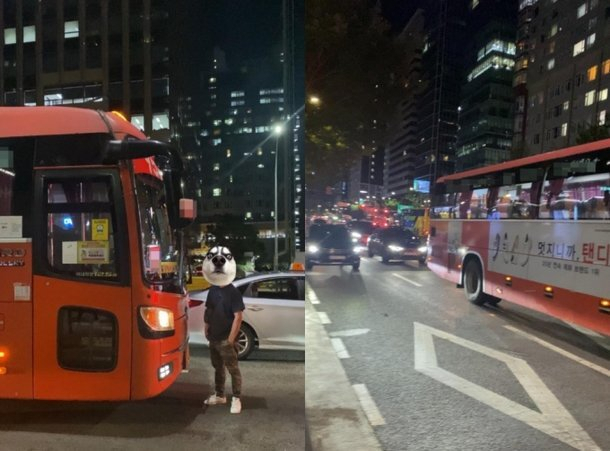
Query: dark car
<point x="330" y="245"/>
<point x="396" y="243"/>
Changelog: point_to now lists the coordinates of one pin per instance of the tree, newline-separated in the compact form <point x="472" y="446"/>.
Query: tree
<point x="354" y="70"/>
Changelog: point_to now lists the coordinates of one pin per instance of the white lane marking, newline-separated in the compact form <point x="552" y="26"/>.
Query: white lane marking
<point x="368" y="405"/>
<point x="349" y="332"/>
<point x="324" y="319"/>
<point x="553" y="418"/>
<point x="563" y="352"/>
<point x="339" y="348"/>
<point x="407" y="280"/>
<point x="313" y="298"/>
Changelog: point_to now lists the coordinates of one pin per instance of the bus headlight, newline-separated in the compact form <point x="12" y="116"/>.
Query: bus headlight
<point x="312" y="249"/>
<point x="156" y="322"/>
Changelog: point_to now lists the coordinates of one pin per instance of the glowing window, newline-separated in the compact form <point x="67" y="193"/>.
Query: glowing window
<point x="216" y="192"/>
<point x="579" y="47"/>
<point x="602" y="117"/>
<point x="592" y="73"/>
<point x="71" y="29"/>
<point x="590" y="97"/>
<point x="603" y="95"/>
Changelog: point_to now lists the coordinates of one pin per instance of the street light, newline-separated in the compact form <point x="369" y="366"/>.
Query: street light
<point x="278" y="129"/>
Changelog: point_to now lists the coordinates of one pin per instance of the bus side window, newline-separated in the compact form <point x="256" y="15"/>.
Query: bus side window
<point x="463" y="205"/>
<point x="586" y="196"/>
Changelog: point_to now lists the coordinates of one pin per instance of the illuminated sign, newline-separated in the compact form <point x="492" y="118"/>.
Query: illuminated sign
<point x="422" y="186"/>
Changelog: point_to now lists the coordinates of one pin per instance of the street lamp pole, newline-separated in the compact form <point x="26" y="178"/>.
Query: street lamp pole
<point x="277" y="131"/>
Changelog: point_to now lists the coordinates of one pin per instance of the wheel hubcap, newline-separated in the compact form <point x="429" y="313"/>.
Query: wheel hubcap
<point x="242" y="342"/>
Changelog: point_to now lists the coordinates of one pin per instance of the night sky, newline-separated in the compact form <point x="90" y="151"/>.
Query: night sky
<point x="398" y="12"/>
<point x="245" y="28"/>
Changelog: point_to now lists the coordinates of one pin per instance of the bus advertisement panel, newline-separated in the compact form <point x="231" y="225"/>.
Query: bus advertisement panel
<point x="534" y="231"/>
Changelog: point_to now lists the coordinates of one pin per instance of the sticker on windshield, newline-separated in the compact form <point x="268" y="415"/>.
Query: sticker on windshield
<point x="93" y="252"/>
<point x="99" y="229"/>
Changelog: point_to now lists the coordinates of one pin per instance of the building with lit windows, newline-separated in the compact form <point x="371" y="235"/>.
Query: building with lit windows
<point x="485" y="113"/>
<point x="568" y="72"/>
<point x="238" y="140"/>
<point x="366" y="178"/>
<point x="400" y="150"/>
<point x="104" y="54"/>
<point x="442" y="75"/>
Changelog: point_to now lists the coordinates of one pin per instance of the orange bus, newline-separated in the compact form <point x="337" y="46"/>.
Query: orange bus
<point x="534" y="231"/>
<point x="92" y="298"/>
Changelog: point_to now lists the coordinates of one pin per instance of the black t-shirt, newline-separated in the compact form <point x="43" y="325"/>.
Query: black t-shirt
<point x="220" y="308"/>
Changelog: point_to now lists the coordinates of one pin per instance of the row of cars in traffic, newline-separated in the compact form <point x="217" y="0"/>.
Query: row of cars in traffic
<point x="341" y="245"/>
<point x="274" y="317"/>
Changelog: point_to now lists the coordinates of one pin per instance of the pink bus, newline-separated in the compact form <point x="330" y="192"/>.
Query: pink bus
<point x="533" y="231"/>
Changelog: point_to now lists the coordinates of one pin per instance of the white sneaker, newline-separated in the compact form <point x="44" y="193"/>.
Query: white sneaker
<point x="214" y="400"/>
<point x="235" y="405"/>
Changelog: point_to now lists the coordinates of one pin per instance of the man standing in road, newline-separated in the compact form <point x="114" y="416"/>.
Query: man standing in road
<point x="222" y="319"/>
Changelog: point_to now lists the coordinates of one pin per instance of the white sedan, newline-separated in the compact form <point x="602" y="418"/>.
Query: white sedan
<point x="274" y="317"/>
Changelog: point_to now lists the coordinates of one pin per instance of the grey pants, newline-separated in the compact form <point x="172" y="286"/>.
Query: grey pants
<point x="224" y="355"/>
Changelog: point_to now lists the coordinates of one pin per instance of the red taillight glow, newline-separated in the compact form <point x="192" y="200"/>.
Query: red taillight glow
<point x="194" y="303"/>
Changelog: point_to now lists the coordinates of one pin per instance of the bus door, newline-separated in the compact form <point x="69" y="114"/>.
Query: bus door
<point x="81" y="290"/>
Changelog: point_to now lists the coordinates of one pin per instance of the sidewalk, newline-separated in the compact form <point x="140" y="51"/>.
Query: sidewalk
<point x="335" y="420"/>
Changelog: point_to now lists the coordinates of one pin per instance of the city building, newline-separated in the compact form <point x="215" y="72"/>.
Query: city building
<point x="366" y="178"/>
<point x="105" y="54"/>
<point x="441" y="80"/>
<point x="238" y="140"/>
<point x="400" y="151"/>
<point x="568" y="72"/>
<point x="520" y="91"/>
<point x="485" y="113"/>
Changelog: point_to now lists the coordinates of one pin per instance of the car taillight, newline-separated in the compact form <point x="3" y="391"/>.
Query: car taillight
<point x="194" y="303"/>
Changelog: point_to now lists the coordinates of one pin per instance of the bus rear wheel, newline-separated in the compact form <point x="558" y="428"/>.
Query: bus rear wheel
<point x="473" y="283"/>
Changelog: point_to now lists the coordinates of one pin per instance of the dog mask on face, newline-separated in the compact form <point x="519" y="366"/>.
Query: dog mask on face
<point x="219" y="266"/>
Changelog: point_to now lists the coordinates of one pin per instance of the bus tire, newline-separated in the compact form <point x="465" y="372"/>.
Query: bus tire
<point x="244" y="342"/>
<point x="473" y="283"/>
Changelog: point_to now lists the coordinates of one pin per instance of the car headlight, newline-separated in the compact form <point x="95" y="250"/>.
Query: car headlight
<point x="422" y="249"/>
<point x="356" y="235"/>
<point x="312" y="248"/>
<point x="395" y="248"/>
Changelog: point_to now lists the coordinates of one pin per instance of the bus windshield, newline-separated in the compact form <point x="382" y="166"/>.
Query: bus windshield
<point x="159" y="250"/>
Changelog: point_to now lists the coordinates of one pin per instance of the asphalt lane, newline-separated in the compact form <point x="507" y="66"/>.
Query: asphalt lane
<point x="273" y="415"/>
<point x="447" y="375"/>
